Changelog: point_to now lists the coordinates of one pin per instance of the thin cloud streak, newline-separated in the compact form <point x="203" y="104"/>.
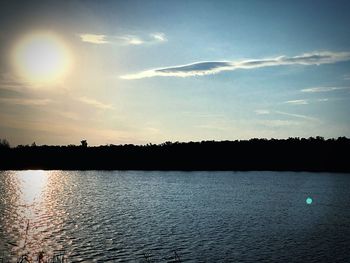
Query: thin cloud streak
<point x="134" y="40"/>
<point x="297" y="116"/>
<point x="297" y="102"/>
<point x="262" y="112"/>
<point x="126" y="40"/>
<point x="26" y="102"/>
<point x="95" y="103"/>
<point x="214" y="67"/>
<point x="323" y="89"/>
<point x="94" y="39"/>
<point x="131" y="40"/>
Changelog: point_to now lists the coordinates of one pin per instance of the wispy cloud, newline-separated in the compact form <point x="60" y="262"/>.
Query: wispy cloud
<point x="279" y="123"/>
<point x="324" y="89"/>
<point x="193" y="114"/>
<point x="94" y="39"/>
<point x="211" y="127"/>
<point x="153" y="38"/>
<point x="96" y="103"/>
<point x="26" y="102"/>
<point x="160" y="37"/>
<point x="214" y="67"/>
<point x="127" y="40"/>
<point x="130" y="40"/>
<point x="297" y="102"/>
<point x="11" y="81"/>
<point x="194" y="69"/>
<point x="57" y="128"/>
<point x="262" y="112"/>
<point x="299" y="116"/>
<point x="69" y="115"/>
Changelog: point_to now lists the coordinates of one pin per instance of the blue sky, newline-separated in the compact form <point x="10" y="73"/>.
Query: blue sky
<point x="152" y="71"/>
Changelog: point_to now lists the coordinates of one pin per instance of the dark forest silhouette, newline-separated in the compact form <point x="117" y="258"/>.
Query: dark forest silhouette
<point x="293" y="154"/>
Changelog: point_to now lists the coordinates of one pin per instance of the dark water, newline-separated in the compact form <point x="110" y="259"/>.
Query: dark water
<point x="203" y="216"/>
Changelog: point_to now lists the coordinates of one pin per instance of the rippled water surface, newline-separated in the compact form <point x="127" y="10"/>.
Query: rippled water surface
<point x="199" y="216"/>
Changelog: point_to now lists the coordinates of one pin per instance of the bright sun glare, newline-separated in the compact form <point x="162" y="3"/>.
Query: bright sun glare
<point x="42" y="58"/>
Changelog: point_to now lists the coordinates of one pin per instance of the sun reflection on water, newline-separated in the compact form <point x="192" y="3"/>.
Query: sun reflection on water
<point x="32" y="184"/>
<point x="28" y="214"/>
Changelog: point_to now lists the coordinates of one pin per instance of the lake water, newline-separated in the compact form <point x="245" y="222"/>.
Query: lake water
<point x="131" y="216"/>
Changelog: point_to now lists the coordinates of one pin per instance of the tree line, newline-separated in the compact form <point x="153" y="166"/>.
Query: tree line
<point x="292" y="154"/>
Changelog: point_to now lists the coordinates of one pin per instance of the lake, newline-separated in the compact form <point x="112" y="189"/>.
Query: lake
<point x="137" y="216"/>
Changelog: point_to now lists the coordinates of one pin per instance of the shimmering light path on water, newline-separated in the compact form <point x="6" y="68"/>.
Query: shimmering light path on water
<point x="203" y="216"/>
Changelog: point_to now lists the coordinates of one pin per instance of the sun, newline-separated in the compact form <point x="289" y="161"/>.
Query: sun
<point x="41" y="57"/>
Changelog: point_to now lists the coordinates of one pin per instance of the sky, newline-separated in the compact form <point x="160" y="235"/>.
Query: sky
<point x="154" y="71"/>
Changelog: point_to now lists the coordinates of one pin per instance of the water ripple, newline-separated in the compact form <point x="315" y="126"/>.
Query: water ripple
<point x="198" y="216"/>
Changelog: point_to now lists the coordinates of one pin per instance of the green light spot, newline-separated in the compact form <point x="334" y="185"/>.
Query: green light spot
<point x="309" y="200"/>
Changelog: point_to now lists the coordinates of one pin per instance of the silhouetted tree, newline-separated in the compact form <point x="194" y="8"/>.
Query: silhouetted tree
<point x="84" y="143"/>
<point x="4" y="143"/>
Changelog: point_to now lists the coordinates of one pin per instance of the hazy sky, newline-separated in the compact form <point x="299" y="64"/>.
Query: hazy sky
<point x="152" y="71"/>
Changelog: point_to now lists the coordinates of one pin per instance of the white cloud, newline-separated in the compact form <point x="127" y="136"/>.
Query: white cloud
<point x="323" y="89"/>
<point x="131" y="40"/>
<point x="195" y="69"/>
<point x="95" y="103"/>
<point x="160" y="37"/>
<point x="262" y="112"/>
<point x="137" y="40"/>
<point x="26" y="102"/>
<point x="127" y="40"/>
<point x="214" y="67"/>
<point x="93" y="38"/>
<point x="297" y="102"/>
